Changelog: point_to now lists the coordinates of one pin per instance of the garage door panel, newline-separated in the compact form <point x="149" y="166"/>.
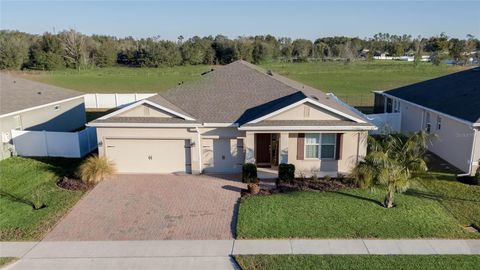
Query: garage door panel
<point x="149" y="155"/>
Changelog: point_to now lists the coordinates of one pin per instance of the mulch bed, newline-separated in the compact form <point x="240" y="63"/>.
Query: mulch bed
<point x="302" y="185"/>
<point x="73" y="184"/>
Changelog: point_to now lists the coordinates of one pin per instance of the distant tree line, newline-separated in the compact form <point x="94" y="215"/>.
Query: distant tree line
<point x="72" y="49"/>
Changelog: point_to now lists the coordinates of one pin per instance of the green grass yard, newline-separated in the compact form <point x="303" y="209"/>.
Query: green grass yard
<point x="433" y="208"/>
<point x="353" y="82"/>
<point x="423" y="262"/>
<point x="6" y="260"/>
<point x="24" y="181"/>
<point x="119" y="79"/>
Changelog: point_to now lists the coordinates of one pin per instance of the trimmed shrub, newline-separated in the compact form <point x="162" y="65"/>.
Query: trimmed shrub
<point x="249" y="173"/>
<point x="286" y="172"/>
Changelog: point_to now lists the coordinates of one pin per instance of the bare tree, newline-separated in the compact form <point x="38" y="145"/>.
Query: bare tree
<point x="74" y="46"/>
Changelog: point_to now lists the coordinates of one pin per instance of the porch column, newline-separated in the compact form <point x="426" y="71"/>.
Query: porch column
<point x="283" y="149"/>
<point x="250" y="148"/>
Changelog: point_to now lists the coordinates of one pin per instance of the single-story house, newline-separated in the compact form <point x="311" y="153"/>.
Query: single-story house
<point x="234" y="114"/>
<point x="448" y="106"/>
<point x="29" y="105"/>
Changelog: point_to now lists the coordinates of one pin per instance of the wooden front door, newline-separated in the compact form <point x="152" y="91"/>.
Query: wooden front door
<point x="263" y="148"/>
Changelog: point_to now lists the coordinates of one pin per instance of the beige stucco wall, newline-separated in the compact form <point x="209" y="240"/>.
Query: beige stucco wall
<point x="299" y="113"/>
<point x="69" y="116"/>
<point x="145" y="110"/>
<point x="354" y="146"/>
<point x="453" y="142"/>
<point x="153" y="133"/>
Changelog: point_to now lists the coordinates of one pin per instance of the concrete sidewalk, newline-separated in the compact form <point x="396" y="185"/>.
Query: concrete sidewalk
<point x="206" y="254"/>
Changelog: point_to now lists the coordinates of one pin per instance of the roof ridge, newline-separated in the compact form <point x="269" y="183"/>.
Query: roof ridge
<point x="264" y="72"/>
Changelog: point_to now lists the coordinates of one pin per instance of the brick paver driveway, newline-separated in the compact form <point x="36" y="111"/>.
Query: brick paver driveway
<point x="154" y="207"/>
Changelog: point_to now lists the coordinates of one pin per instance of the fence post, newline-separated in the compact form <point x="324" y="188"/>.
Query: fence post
<point x="44" y="133"/>
<point x="136" y="97"/>
<point x="88" y="139"/>
<point x="116" y="100"/>
<point x="96" y="100"/>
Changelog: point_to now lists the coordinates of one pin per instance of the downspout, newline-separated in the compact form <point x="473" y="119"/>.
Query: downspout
<point x="199" y="139"/>
<point x="358" y="148"/>
<point x="471" y="154"/>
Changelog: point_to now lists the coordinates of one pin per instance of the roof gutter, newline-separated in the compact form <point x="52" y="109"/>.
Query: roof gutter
<point x="148" y="125"/>
<point x="313" y="128"/>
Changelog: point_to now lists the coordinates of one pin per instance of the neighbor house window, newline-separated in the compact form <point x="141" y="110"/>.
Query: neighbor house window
<point x="396" y="106"/>
<point x="439" y="122"/>
<point x="427" y="122"/>
<point x="318" y="145"/>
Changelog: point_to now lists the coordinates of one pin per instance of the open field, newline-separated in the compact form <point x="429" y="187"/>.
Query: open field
<point x="27" y="182"/>
<point x="420" y="262"/>
<point x="436" y="206"/>
<point x="352" y="82"/>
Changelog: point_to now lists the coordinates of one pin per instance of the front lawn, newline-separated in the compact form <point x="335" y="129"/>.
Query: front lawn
<point x="348" y="213"/>
<point x="459" y="199"/>
<point x="26" y="182"/>
<point x="424" y="262"/>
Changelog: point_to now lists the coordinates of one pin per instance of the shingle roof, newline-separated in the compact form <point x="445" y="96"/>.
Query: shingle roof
<point x="305" y="123"/>
<point x="135" y="119"/>
<point x="18" y="94"/>
<point x="238" y="92"/>
<point x="457" y="94"/>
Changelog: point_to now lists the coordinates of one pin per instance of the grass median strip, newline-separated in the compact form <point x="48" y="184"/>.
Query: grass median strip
<point x="420" y="262"/>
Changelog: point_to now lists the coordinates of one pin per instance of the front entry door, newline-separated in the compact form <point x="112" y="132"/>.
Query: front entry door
<point x="263" y="145"/>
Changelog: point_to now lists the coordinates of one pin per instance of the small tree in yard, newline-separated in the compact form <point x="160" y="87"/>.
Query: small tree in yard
<point x="390" y="162"/>
<point x="94" y="169"/>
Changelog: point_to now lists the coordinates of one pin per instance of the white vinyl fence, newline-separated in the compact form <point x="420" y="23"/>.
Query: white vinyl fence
<point x="55" y="144"/>
<point x="386" y="122"/>
<point x="108" y="101"/>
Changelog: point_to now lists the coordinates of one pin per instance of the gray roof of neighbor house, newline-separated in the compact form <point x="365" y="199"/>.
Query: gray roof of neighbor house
<point x="240" y="92"/>
<point x="456" y="94"/>
<point x="19" y="94"/>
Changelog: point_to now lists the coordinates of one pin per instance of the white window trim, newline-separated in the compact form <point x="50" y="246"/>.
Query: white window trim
<point x="319" y="135"/>
<point x="439" y="122"/>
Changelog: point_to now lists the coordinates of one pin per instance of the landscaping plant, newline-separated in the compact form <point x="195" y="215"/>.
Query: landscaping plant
<point x="390" y="162"/>
<point x="249" y="173"/>
<point x="286" y="172"/>
<point x="95" y="169"/>
<point x="249" y="176"/>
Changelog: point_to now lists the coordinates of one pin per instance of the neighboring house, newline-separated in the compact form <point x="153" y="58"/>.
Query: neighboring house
<point x="234" y="114"/>
<point x="448" y="106"/>
<point x="29" y="105"/>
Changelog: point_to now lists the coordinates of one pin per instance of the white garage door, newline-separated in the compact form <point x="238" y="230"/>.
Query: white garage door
<point x="149" y="155"/>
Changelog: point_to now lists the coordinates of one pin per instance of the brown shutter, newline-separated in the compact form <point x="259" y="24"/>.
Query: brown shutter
<point x="300" y="146"/>
<point x="338" y="150"/>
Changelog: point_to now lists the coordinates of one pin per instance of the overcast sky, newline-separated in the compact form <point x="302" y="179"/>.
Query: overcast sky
<point x="294" y="19"/>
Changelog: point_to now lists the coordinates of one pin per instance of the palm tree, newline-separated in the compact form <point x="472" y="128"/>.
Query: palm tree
<point x="390" y="162"/>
